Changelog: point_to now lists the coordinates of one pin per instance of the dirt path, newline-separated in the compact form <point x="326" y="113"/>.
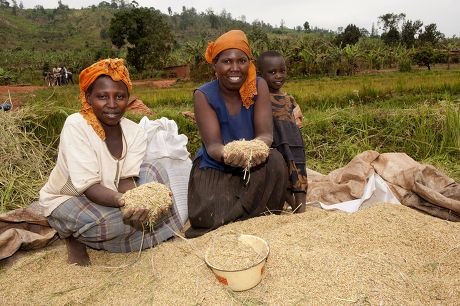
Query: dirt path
<point x="29" y="88"/>
<point x="13" y="90"/>
<point x="156" y="83"/>
<point x="18" y="89"/>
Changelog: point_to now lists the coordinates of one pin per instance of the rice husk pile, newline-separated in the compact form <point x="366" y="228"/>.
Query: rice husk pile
<point x="247" y="147"/>
<point x="227" y="252"/>
<point x="383" y="255"/>
<point x="154" y="196"/>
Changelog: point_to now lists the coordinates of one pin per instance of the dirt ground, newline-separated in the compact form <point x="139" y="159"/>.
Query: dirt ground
<point x="156" y="83"/>
<point x="385" y="255"/>
<point x="18" y="89"/>
<point x="12" y="90"/>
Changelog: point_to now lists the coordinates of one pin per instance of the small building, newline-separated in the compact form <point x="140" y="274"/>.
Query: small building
<point x="180" y="72"/>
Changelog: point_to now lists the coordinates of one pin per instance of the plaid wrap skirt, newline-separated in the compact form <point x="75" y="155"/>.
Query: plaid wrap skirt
<point x="101" y="227"/>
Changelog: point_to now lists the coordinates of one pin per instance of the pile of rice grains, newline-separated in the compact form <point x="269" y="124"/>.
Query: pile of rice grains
<point x="154" y="196"/>
<point x="229" y="253"/>
<point x="383" y="255"/>
<point x="248" y="148"/>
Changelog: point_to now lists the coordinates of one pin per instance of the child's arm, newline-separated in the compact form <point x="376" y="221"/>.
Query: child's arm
<point x="297" y="112"/>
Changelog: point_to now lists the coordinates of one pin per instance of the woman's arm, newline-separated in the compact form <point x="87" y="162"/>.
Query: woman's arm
<point x="126" y="184"/>
<point x="263" y="120"/>
<point x="107" y="197"/>
<point x="104" y="196"/>
<point x="208" y="126"/>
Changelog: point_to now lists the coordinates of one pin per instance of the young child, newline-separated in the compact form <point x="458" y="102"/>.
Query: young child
<point x="287" y="138"/>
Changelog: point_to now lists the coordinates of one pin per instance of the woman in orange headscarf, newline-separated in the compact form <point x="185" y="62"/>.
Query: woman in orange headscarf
<point x="100" y="157"/>
<point x="234" y="106"/>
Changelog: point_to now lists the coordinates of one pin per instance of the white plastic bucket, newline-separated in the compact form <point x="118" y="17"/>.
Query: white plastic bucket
<point x="240" y="280"/>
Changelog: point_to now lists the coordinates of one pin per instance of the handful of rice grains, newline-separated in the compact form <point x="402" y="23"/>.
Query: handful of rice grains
<point x="248" y="148"/>
<point x="154" y="196"/>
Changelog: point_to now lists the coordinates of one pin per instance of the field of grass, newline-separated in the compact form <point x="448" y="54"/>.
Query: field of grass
<point x="417" y="113"/>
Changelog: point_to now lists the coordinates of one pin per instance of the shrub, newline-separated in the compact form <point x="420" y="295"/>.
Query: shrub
<point x="6" y="78"/>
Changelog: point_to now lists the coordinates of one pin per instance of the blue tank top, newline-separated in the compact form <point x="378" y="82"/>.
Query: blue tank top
<point x="240" y="126"/>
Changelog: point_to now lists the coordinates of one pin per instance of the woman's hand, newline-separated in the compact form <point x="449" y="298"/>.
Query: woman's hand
<point x="258" y="158"/>
<point x="136" y="216"/>
<point x="240" y="159"/>
<point x="235" y="159"/>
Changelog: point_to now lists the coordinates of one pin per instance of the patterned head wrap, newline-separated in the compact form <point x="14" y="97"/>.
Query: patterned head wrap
<point x="114" y="68"/>
<point x="236" y="39"/>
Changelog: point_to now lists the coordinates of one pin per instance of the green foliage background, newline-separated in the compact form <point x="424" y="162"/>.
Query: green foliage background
<point x="36" y="38"/>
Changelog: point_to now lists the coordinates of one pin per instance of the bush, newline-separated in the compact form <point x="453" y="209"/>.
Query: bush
<point x="6" y="78"/>
<point x="424" y="57"/>
<point x="405" y="65"/>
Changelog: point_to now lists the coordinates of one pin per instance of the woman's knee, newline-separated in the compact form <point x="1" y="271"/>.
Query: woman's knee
<point x="276" y="163"/>
<point x="151" y="172"/>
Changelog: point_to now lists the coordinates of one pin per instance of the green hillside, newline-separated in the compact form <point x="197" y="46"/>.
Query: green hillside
<point x="53" y="29"/>
<point x="34" y="40"/>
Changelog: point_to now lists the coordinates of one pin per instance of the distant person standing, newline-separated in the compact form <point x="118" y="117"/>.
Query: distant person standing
<point x="287" y="138"/>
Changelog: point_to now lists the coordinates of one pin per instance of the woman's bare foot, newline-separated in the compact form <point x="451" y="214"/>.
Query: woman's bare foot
<point x="76" y="252"/>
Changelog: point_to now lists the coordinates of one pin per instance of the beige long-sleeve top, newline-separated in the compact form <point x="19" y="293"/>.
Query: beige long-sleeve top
<point x="84" y="160"/>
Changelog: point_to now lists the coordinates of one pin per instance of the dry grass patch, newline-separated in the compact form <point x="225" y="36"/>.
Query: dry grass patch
<point x="24" y="161"/>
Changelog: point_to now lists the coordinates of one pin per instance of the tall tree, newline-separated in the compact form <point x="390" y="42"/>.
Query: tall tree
<point x="306" y="27"/>
<point x="431" y="35"/>
<point x="145" y="32"/>
<point x="15" y="7"/>
<point x="408" y="32"/>
<point x="349" y="36"/>
<point x="390" y="26"/>
<point x="390" y="20"/>
<point x="213" y="19"/>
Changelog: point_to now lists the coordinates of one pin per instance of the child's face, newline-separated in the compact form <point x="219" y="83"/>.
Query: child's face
<point x="274" y="72"/>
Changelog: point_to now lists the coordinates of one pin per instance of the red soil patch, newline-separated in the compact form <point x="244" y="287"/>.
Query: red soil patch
<point x="156" y="83"/>
<point x="15" y="89"/>
<point x="18" y="89"/>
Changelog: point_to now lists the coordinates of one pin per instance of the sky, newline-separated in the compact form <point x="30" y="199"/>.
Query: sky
<point x="326" y="14"/>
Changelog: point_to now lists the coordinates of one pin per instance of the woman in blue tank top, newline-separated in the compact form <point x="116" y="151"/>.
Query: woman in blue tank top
<point x="234" y="106"/>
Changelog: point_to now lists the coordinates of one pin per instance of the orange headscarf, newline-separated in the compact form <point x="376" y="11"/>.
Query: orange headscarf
<point x="113" y="67"/>
<point x="236" y="39"/>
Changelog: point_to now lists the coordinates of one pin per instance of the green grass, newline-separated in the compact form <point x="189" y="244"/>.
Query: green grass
<point x="326" y="93"/>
